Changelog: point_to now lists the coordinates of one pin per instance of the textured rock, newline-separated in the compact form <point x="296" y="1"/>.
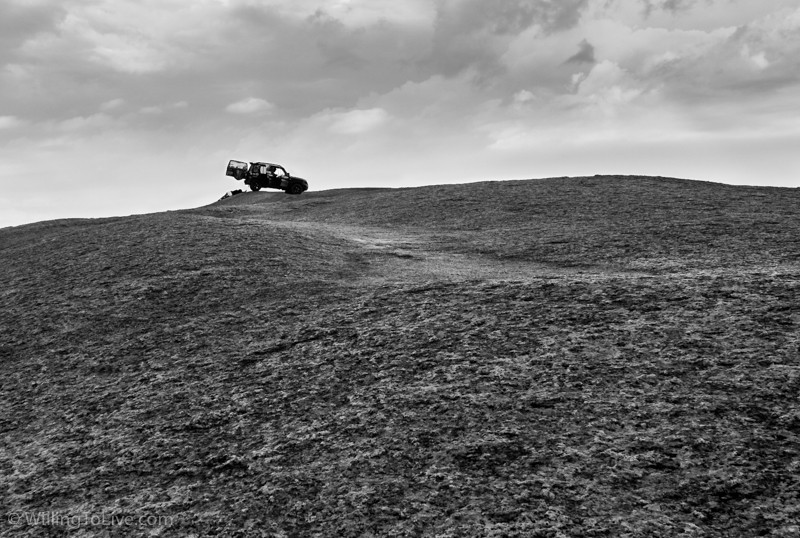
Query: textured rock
<point x="605" y="356"/>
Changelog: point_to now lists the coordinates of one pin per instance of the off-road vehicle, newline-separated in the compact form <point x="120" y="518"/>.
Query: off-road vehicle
<point x="267" y="176"/>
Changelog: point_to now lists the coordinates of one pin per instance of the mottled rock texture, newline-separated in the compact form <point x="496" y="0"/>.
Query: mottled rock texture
<point x="599" y="357"/>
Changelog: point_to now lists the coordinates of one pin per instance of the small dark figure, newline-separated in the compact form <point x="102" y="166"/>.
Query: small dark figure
<point x="231" y="193"/>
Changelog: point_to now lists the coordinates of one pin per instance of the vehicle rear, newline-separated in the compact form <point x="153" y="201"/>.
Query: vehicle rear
<point x="237" y="169"/>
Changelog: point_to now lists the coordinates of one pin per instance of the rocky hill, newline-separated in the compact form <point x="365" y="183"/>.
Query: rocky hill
<point x="599" y="356"/>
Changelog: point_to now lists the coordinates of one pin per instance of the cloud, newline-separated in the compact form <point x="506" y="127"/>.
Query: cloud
<point x="509" y="17"/>
<point x="82" y="123"/>
<point x="161" y="109"/>
<point x="10" y="122"/>
<point x="112" y="104"/>
<point x="357" y="121"/>
<point x="607" y="88"/>
<point x="671" y="6"/>
<point x="474" y="34"/>
<point x="354" y="13"/>
<point x="759" y="60"/>
<point x="524" y="96"/>
<point x="585" y="54"/>
<point x="250" y="105"/>
<point x="90" y="36"/>
<point x="21" y="20"/>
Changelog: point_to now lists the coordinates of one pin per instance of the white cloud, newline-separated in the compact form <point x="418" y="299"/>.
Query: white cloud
<point x="155" y="110"/>
<point x="129" y="56"/>
<point x="10" y="122"/>
<point x="137" y="37"/>
<point x="357" y="121"/>
<point x="607" y="84"/>
<point x="81" y="123"/>
<point x="112" y="104"/>
<point x="524" y="96"/>
<point x="250" y="105"/>
<point x="758" y="60"/>
<point x="105" y="37"/>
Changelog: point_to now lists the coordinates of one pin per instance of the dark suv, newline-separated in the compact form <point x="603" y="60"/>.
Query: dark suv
<point x="266" y="176"/>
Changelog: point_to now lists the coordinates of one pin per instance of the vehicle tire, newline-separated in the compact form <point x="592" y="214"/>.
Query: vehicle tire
<point x="254" y="186"/>
<point x="295" y="188"/>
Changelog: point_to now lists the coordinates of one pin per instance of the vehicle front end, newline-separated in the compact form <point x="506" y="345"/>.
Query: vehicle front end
<point x="296" y="185"/>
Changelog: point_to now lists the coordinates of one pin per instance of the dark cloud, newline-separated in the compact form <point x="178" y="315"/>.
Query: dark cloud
<point x="335" y="43"/>
<point x="754" y="63"/>
<point x="507" y="17"/>
<point x="585" y="54"/>
<point x="473" y="34"/>
<point x="674" y="5"/>
<point x="563" y="15"/>
<point x="302" y="65"/>
<point x="671" y="6"/>
<point x="20" y="22"/>
<point x="305" y="65"/>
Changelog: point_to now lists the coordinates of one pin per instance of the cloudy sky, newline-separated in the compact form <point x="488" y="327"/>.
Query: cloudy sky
<point x="113" y="107"/>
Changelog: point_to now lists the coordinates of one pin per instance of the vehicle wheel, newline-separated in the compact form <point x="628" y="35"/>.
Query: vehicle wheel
<point x="295" y="188"/>
<point x="255" y="186"/>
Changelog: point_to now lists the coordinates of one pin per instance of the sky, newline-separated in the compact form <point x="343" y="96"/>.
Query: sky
<point x="117" y="107"/>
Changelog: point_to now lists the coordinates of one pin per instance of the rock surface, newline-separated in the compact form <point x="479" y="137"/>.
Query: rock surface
<point x="600" y="356"/>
